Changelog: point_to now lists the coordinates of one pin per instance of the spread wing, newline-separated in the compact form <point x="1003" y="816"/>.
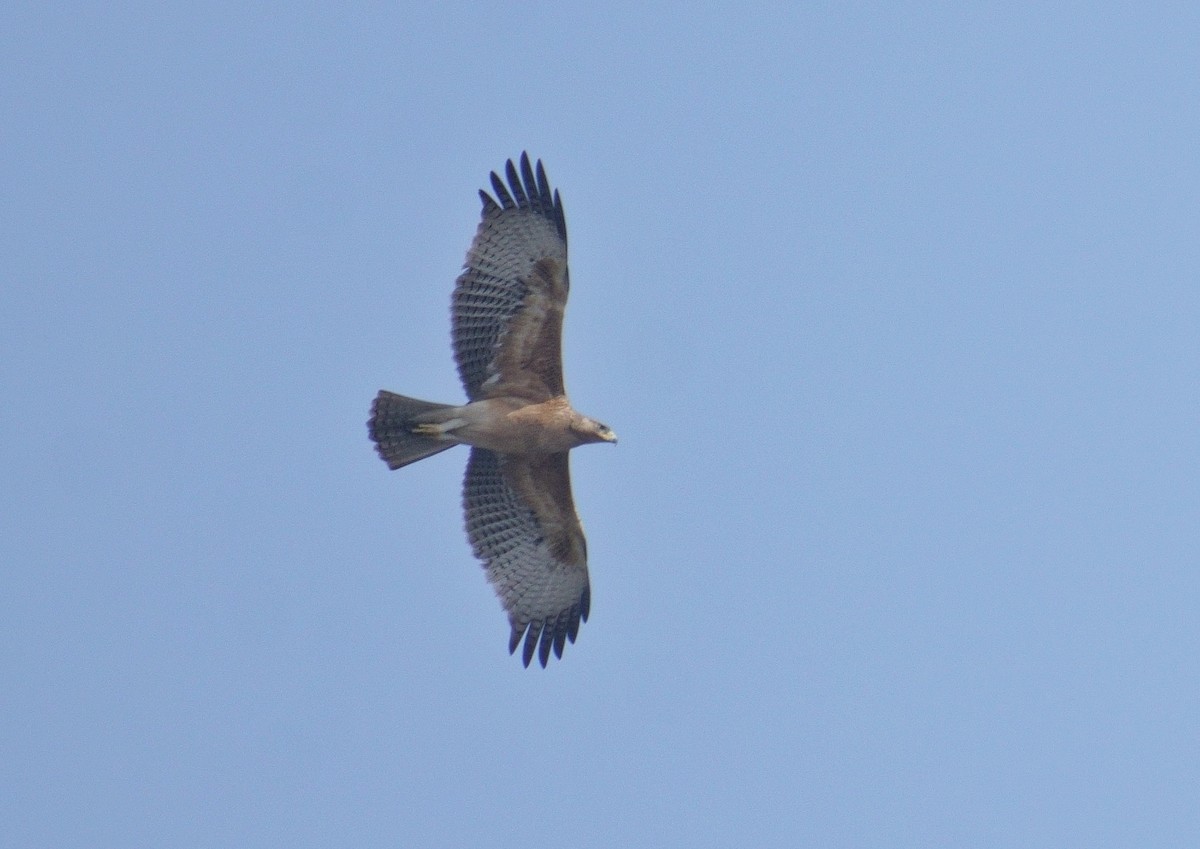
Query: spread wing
<point x="507" y="309"/>
<point x="522" y="524"/>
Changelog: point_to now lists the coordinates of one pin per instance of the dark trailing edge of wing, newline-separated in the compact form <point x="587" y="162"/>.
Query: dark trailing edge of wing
<point x="551" y="634"/>
<point x="527" y="190"/>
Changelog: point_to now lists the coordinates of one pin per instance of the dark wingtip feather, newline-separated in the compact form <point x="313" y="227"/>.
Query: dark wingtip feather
<point x="527" y="189"/>
<point x="560" y="217"/>
<point x="514" y="182"/>
<point x="543" y="185"/>
<point x="489" y="205"/>
<point x="552" y="635"/>
<point x="502" y="194"/>
<point x="532" y="191"/>
<point x="531" y="640"/>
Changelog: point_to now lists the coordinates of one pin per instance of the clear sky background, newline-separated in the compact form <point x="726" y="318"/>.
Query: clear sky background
<point x="894" y="306"/>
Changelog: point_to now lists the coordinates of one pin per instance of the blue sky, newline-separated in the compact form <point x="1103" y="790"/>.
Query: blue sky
<point x="894" y="307"/>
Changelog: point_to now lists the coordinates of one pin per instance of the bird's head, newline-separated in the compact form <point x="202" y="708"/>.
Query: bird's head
<point x="590" y="430"/>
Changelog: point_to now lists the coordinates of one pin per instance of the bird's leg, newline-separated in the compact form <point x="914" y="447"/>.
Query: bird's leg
<point x="438" y="430"/>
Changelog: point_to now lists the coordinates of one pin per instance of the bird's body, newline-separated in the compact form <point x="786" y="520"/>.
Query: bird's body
<point x="508" y="425"/>
<point x="507" y="312"/>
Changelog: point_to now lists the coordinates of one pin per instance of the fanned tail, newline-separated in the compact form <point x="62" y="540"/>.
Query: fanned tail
<point x="392" y="419"/>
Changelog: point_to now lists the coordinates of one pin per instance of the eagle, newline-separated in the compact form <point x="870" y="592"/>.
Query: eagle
<point x="506" y="331"/>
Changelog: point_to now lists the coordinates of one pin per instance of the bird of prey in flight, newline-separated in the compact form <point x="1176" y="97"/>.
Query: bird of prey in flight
<point x="506" y="328"/>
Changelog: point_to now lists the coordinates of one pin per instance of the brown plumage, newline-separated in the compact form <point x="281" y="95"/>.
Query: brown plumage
<point x="506" y="325"/>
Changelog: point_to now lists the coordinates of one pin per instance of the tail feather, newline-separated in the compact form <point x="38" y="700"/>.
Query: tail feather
<point x="392" y="418"/>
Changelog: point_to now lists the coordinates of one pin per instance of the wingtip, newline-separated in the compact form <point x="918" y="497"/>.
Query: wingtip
<point x="530" y="645"/>
<point x="502" y="195"/>
<point x="527" y="633"/>
<point x="525" y="186"/>
<point x="543" y="184"/>
<point x="532" y="190"/>
<point x="514" y="183"/>
<point x="489" y="204"/>
<point x="537" y="639"/>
